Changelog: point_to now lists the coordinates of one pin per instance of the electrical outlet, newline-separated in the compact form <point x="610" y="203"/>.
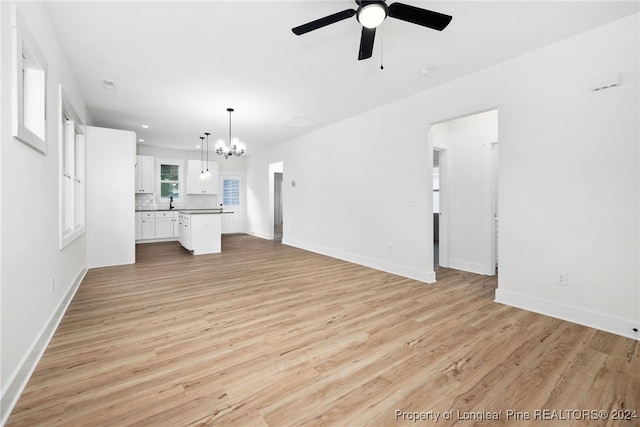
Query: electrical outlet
<point x="562" y="279"/>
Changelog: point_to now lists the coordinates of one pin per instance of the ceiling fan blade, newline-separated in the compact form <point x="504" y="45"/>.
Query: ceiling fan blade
<point x="323" y="22"/>
<point x="366" y="43"/>
<point x="419" y="16"/>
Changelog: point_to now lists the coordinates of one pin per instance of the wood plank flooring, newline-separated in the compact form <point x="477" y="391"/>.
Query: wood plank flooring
<point x="269" y="335"/>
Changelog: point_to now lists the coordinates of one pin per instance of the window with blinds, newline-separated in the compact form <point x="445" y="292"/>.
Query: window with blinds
<point x="231" y="192"/>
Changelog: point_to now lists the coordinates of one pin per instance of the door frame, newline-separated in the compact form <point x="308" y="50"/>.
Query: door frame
<point x="495" y="212"/>
<point x="443" y="223"/>
<point x="275" y="167"/>
<point x="241" y="177"/>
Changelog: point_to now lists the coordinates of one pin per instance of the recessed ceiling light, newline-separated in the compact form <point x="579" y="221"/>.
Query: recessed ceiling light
<point x="145" y="126"/>
<point x="141" y="140"/>
<point x="197" y="146"/>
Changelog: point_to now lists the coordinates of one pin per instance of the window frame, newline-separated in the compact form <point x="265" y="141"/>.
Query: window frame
<point x="71" y="166"/>
<point x="30" y="127"/>
<point x="181" y="182"/>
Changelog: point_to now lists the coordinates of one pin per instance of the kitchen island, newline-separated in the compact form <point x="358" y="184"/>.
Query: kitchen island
<point x="200" y="229"/>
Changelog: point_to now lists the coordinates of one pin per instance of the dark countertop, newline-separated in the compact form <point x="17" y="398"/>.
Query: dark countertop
<point x="177" y="210"/>
<point x="203" y="211"/>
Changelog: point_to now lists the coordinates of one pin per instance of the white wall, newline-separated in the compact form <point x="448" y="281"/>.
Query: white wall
<point x="30" y="254"/>
<point x="111" y="158"/>
<point x="468" y="206"/>
<point x="569" y="184"/>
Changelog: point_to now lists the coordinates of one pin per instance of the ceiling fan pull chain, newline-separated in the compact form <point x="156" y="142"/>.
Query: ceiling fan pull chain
<point x="381" y="47"/>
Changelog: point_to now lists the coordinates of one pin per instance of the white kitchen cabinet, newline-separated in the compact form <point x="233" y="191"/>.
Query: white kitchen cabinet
<point x="166" y="224"/>
<point x="148" y="226"/>
<point x="164" y="228"/>
<point x="138" y="225"/>
<point x="198" y="185"/>
<point x="184" y="232"/>
<point x="175" y="224"/>
<point x="200" y="232"/>
<point x="145" y="174"/>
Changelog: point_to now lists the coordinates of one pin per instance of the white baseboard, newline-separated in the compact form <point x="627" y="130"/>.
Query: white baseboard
<point x="471" y="267"/>
<point x="400" y="270"/>
<point x="592" y="319"/>
<point x="260" y="235"/>
<point x="15" y="386"/>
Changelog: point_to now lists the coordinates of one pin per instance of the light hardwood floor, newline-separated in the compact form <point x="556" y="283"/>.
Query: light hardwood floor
<point x="268" y="335"/>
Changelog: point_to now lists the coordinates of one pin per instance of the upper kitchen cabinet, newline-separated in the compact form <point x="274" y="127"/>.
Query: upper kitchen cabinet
<point x="196" y="184"/>
<point x="145" y="169"/>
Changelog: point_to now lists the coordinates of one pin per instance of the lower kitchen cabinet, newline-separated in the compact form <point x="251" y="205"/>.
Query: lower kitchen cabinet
<point x="200" y="233"/>
<point x="138" y="226"/>
<point x="156" y="225"/>
<point x="148" y="228"/>
<point x="166" y="225"/>
<point x="184" y="230"/>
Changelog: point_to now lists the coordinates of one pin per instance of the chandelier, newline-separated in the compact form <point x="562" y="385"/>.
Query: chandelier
<point x="233" y="146"/>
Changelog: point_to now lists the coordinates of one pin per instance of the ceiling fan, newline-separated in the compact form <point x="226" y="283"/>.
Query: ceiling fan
<point x="371" y="14"/>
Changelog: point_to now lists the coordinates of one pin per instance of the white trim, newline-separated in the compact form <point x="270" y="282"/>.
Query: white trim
<point x="15" y="385"/>
<point x="400" y="270"/>
<point x="471" y="267"/>
<point x="182" y="179"/>
<point x="23" y="40"/>
<point x="260" y="235"/>
<point x="592" y="319"/>
<point x="65" y="108"/>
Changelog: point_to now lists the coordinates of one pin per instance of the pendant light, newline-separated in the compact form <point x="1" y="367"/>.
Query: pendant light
<point x="202" y="157"/>
<point x="206" y="173"/>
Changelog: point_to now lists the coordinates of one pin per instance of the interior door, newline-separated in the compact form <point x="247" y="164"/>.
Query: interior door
<point x="231" y="198"/>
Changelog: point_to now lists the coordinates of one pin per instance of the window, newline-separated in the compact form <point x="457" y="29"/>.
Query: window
<point x="29" y="87"/>
<point x="72" y="172"/>
<point x="231" y="192"/>
<point x="169" y="181"/>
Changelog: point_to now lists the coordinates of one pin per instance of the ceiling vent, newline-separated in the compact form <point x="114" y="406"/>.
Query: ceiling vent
<point x="298" y="122"/>
<point x="108" y="84"/>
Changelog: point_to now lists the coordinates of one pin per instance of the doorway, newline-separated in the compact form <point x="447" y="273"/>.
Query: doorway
<point x="277" y="206"/>
<point x="465" y="168"/>
<point x="440" y="257"/>
<point x="276" y="201"/>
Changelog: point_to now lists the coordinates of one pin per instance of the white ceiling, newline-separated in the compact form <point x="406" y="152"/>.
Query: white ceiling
<point x="178" y="65"/>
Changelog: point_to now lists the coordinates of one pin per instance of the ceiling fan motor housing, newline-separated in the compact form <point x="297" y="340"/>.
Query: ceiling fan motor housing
<point x="371" y="13"/>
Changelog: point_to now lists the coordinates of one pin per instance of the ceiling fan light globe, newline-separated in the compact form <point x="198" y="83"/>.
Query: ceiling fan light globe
<point x="372" y="15"/>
